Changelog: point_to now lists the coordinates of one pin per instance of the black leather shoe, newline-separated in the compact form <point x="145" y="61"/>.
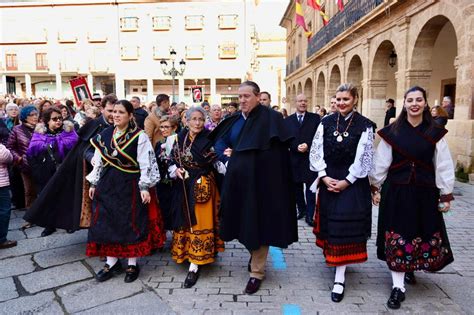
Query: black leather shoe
<point x="47" y="231"/>
<point x="108" y="272"/>
<point x="337" y="297"/>
<point x="300" y="215"/>
<point x="309" y="222"/>
<point x="396" y="299"/>
<point x="252" y="286"/>
<point x="131" y="273"/>
<point x="8" y="244"/>
<point x="410" y="277"/>
<point x="191" y="279"/>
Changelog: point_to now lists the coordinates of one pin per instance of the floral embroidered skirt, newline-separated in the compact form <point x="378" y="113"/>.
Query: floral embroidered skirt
<point x="411" y="231"/>
<point x="155" y="238"/>
<point x="343" y="223"/>
<point x="201" y="245"/>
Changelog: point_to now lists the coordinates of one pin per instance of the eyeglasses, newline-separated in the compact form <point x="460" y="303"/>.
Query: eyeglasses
<point x="56" y="119"/>
<point x="165" y="127"/>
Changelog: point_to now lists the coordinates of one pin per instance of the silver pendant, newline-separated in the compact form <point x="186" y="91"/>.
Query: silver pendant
<point x="336" y="133"/>
<point x="114" y="153"/>
<point x="345" y="134"/>
<point x="339" y="138"/>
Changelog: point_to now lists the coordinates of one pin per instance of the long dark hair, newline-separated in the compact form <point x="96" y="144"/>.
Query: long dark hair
<point x="132" y="125"/>
<point x="427" y="119"/>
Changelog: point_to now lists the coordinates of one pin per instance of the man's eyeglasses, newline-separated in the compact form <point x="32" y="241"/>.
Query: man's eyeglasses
<point x="56" y="119"/>
<point x="165" y="127"/>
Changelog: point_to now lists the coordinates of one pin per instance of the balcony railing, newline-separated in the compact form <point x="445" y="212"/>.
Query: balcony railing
<point x="353" y="12"/>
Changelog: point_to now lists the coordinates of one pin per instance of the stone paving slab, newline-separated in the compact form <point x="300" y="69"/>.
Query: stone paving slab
<point x="7" y="289"/>
<point x="59" y="256"/>
<point x="16" y="266"/>
<point x="44" y="243"/>
<point x="87" y="294"/>
<point x="305" y="284"/>
<point x="143" y="303"/>
<point x="42" y="303"/>
<point x="54" y="277"/>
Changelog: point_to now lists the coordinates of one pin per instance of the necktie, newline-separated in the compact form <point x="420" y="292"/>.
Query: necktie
<point x="300" y="119"/>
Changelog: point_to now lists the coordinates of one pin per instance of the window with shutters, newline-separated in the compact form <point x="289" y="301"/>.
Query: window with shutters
<point x="161" y="23"/>
<point x="11" y="62"/>
<point x="228" y="21"/>
<point x="194" y="22"/>
<point x="41" y="61"/>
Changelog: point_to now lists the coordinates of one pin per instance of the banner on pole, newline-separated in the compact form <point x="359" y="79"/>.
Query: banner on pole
<point x="80" y="90"/>
<point x="197" y="94"/>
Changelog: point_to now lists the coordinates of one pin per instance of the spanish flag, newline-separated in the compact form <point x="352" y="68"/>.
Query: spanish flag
<point x="319" y="6"/>
<point x="300" y="19"/>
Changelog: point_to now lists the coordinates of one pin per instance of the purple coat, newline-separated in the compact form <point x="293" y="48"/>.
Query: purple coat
<point x="61" y="142"/>
<point x="18" y="143"/>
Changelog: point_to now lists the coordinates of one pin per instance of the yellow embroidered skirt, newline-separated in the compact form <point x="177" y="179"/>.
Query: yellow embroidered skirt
<point x="201" y="245"/>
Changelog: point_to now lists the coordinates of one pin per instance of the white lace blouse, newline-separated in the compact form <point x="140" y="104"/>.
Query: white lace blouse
<point x="363" y="161"/>
<point x="149" y="174"/>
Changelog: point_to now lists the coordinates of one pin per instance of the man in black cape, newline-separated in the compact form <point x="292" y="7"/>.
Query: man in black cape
<point x="59" y="205"/>
<point x="257" y="201"/>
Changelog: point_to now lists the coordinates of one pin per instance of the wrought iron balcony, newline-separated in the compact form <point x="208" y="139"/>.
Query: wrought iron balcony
<point x="353" y="12"/>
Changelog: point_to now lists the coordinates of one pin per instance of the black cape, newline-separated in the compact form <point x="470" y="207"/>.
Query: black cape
<point x="257" y="201"/>
<point x="59" y="204"/>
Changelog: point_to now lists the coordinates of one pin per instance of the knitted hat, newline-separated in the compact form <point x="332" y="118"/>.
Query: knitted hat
<point x="11" y="105"/>
<point x="26" y="111"/>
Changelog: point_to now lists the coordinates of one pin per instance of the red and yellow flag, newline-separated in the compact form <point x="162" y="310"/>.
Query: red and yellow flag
<point x="300" y="18"/>
<point x="317" y="5"/>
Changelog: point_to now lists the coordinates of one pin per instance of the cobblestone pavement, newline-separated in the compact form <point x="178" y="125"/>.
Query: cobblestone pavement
<point x="52" y="275"/>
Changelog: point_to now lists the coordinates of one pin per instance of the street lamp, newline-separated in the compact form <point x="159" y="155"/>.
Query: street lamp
<point x="392" y="59"/>
<point x="173" y="72"/>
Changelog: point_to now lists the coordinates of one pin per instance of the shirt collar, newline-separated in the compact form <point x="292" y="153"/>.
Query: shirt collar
<point x="349" y="115"/>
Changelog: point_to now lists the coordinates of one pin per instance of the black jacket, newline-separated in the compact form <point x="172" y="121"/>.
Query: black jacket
<point x="303" y="133"/>
<point x="390" y="113"/>
<point x="257" y="201"/>
<point x="140" y="116"/>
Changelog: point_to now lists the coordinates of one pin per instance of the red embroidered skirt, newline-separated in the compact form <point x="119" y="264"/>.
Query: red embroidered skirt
<point x="156" y="238"/>
<point x="337" y="254"/>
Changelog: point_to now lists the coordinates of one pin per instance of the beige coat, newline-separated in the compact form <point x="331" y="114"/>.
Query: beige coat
<point x="152" y="128"/>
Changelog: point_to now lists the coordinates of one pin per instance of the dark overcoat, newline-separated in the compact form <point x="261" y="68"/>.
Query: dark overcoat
<point x="303" y="133"/>
<point x="257" y="200"/>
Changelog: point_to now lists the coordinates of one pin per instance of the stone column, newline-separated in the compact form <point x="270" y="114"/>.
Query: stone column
<point x="3" y="86"/>
<point x="59" y="86"/>
<point x="90" y="82"/>
<point x="28" y="85"/>
<point x="180" y="89"/>
<point x="213" y="90"/>
<point x="149" y="89"/>
<point x="376" y="100"/>
<point x="119" y="87"/>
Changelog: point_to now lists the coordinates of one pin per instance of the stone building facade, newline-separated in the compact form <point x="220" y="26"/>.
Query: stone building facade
<point x="431" y="42"/>
<point x="118" y="45"/>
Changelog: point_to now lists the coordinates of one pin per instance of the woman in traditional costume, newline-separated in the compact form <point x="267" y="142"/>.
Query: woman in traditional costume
<point x="414" y="162"/>
<point x="341" y="153"/>
<point x="126" y="221"/>
<point x="195" y="223"/>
